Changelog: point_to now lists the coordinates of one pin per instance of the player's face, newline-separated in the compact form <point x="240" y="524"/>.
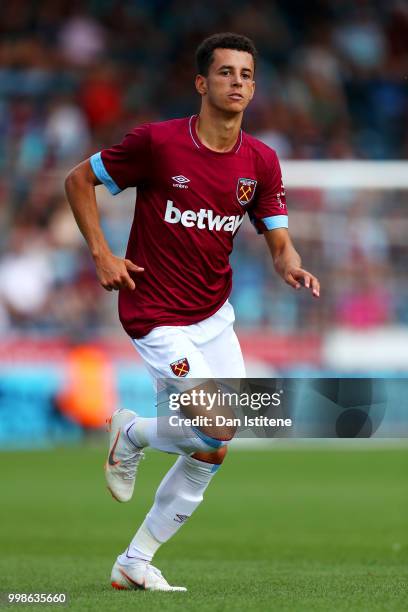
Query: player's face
<point x="230" y="83"/>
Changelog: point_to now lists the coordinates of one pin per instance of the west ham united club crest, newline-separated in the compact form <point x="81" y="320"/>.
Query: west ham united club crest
<point x="245" y="190"/>
<point x="181" y="367"/>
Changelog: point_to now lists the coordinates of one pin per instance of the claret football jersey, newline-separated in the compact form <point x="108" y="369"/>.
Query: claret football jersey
<point x="191" y="202"/>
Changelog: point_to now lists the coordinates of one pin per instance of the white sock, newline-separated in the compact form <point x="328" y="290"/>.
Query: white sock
<point x="178" y="495"/>
<point x="142" y="547"/>
<point x="158" y="433"/>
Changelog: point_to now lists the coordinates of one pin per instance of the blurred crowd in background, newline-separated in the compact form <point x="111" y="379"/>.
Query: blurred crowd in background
<point x="75" y="76"/>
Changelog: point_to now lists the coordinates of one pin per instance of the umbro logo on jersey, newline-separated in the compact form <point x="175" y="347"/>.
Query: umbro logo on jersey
<point x="203" y="219"/>
<point x="180" y="181"/>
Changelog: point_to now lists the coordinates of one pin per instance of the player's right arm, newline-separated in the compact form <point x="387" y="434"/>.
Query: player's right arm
<point x="112" y="271"/>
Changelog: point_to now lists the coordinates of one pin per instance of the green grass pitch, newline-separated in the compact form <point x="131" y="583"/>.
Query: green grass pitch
<point x="303" y="529"/>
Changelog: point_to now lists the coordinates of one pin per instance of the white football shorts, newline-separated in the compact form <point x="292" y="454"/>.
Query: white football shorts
<point x="208" y="349"/>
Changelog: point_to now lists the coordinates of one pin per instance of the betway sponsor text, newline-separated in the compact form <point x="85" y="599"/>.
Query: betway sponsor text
<point x="203" y="219"/>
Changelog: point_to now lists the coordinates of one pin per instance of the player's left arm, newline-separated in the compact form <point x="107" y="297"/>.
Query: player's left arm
<point x="287" y="261"/>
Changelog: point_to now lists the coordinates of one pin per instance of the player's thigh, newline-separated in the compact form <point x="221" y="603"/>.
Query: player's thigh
<point x="177" y="365"/>
<point x="169" y="353"/>
<point x="224" y="356"/>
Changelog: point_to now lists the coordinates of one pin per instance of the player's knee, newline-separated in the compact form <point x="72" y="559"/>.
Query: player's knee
<point x="226" y="432"/>
<point x="220" y="433"/>
<point x="217" y="457"/>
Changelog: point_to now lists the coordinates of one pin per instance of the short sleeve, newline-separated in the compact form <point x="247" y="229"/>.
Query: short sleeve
<point x="126" y="164"/>
<point x="269" y="209"/>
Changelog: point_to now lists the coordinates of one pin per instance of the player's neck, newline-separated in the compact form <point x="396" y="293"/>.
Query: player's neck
<point x="217" y="132"/>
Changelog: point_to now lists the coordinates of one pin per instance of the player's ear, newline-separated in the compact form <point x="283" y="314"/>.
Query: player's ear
<point x="253" y="89"/>
<point x="201" y="84"/>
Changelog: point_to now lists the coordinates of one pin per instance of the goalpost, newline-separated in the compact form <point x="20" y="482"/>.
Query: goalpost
<point x="334" y="174"/>
<point x="382" y="188"/>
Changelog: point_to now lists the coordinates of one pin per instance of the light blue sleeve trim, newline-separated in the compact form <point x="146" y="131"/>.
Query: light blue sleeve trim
<point x="276" y="222"/>
<point x="100" y="171"/>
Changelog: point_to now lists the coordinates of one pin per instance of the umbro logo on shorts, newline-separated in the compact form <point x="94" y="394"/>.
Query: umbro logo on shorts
<point x="203" y="219"/>
<point x="181" y="367"/>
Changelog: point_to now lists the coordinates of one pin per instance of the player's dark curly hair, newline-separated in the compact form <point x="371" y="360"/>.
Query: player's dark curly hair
<point x="223" y="40"/>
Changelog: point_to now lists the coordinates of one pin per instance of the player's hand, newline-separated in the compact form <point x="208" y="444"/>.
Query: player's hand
<point x="113" y="272"/>
<point x="298" y="277"/>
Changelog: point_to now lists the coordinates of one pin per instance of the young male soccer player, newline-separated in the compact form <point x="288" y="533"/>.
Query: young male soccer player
<point x="196" y="178"/>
